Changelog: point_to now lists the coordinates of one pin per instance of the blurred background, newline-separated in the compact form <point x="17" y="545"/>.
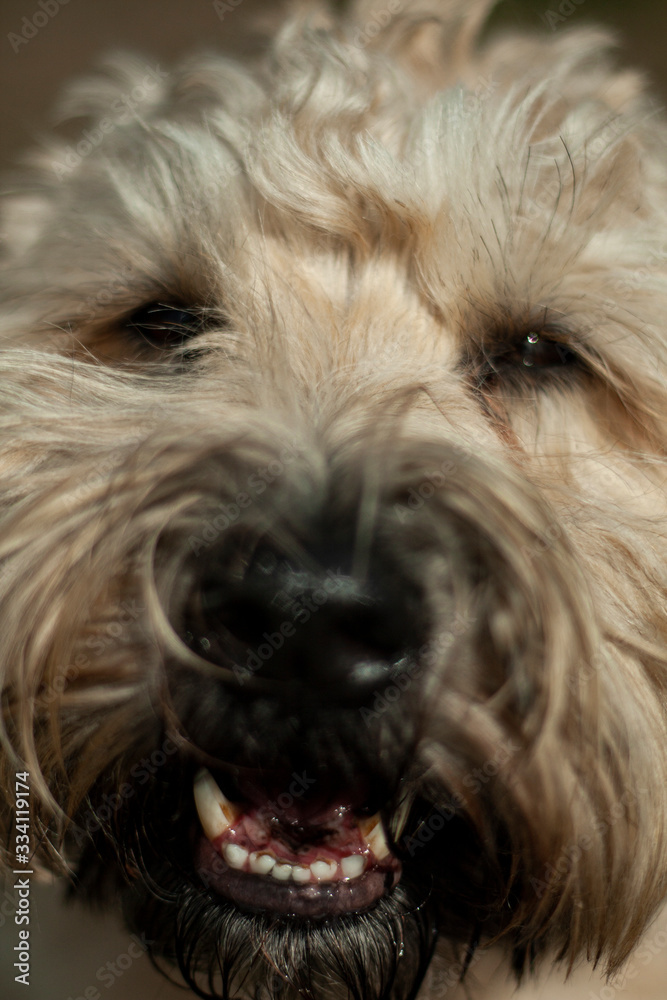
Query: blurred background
<point x="75" y="956"/>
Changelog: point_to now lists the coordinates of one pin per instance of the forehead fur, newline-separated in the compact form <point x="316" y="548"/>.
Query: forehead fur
<point x="365" y="135"/>
<point x="495" y="180"/>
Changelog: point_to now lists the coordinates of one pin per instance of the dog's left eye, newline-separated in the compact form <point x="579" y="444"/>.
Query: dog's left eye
<point x="164" y="325"/>
<point x="537" y="351"/>
<point x="534" y="352"/>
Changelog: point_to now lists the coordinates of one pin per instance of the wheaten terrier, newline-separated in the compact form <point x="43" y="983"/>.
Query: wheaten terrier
<point x="334" y="563"/>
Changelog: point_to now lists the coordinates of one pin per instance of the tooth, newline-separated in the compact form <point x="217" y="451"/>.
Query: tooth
<point x="366" y="825"/>
<point x="282" y="872"/>
<point x="300" y="873"/>
<point x="401" y="815"/>
<point x="324" y="870"/>
<point x="261" y="864"/>
<point x="235" y="855"/>
<point x="373" y="833"/>
<point x="353" y="865"/>
<point x="377" y="842"/>
<point x="215" y="812"/>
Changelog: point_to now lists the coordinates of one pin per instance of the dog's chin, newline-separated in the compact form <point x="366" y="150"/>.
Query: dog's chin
<point x="226" y="950"/>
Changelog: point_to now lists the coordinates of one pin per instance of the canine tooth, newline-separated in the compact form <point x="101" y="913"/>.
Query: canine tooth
<point x="235" y="855"/>
<point x="215" y="812"/>
<point x="261" y="864"/>
<point x="301" y="873"/>
<point x="377" y="841"/>
<point x="324" y="870"/>
<point x="401" y="815"/>
<point x="282" y="872"/>
<point x="353" y="865"/>
<point x="366" y="825"/>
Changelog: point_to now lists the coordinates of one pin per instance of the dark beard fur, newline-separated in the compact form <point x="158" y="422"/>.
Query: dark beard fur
<point x="224" y="953"/>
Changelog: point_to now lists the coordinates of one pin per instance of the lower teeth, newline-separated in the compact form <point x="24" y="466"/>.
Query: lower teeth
<point x="262" y="863"/>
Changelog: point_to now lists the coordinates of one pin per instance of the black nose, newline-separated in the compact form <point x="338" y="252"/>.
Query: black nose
<point x="315" y="629"/>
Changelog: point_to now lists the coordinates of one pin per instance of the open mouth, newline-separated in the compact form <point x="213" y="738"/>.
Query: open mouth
<point x="293" y="861"/>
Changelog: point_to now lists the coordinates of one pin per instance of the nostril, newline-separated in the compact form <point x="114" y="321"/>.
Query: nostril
<point x="244" y="617"/>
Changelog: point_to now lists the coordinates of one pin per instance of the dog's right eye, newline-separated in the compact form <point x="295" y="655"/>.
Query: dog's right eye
<point x="165" y="325"/>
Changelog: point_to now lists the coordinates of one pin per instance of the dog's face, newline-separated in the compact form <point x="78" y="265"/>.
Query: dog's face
<point x="333" y="494"/>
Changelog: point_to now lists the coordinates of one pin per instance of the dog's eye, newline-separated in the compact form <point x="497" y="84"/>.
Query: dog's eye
<point x="164" y="325"/>
<point x="537" y="354"/>
<point x="538" y="351"/>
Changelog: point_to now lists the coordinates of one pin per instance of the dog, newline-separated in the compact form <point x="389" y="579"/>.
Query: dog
<point x="333" y="559"/>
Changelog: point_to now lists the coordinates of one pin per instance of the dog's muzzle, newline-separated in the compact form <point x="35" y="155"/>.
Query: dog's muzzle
<point x="292" y="821"/>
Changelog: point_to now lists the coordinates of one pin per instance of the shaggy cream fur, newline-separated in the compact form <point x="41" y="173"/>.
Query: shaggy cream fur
<point x="424" y="280"/>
